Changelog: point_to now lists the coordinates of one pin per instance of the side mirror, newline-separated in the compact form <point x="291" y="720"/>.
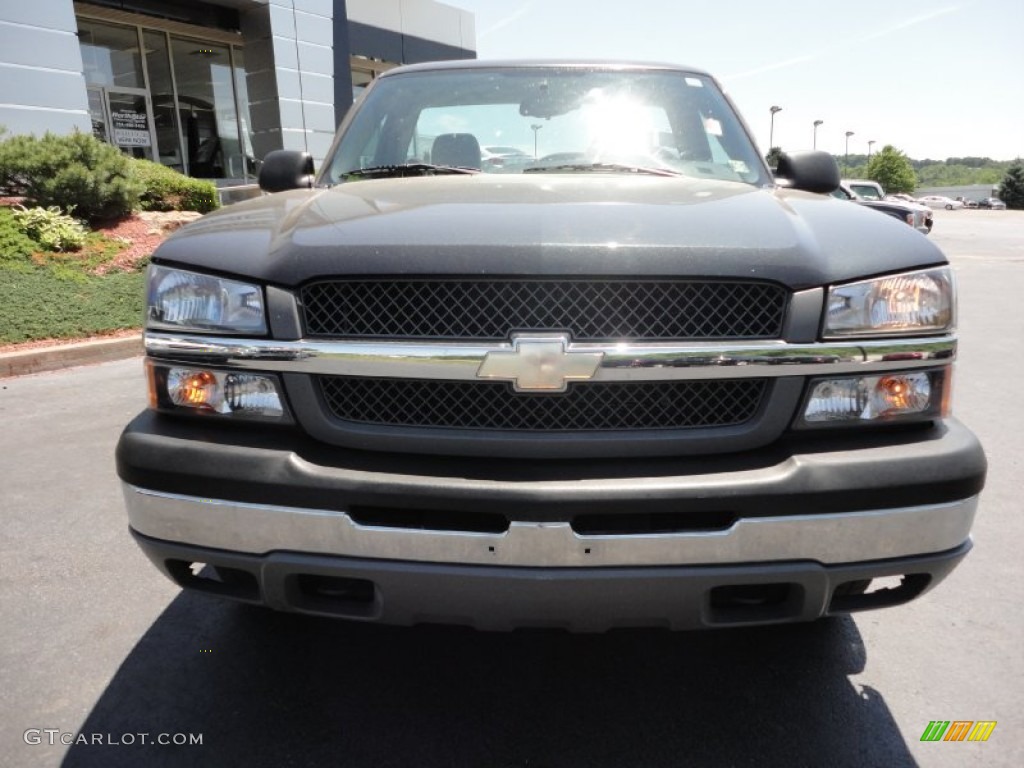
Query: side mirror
<point x="809" y="171"/>
<point x="286" y="169"/>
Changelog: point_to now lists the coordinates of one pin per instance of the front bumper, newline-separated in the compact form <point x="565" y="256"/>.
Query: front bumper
<point x="754" y="537"/>
<point x="837" y="538"/>
<point x="577" y="599"/>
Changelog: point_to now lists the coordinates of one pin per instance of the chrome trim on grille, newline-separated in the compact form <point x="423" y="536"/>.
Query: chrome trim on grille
<point x="619" y="362"/>
<point x="844" y="537"/>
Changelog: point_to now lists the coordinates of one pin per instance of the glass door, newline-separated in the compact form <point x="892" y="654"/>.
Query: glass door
<point x="130" y="121"/>
<point x="98" y="114"/>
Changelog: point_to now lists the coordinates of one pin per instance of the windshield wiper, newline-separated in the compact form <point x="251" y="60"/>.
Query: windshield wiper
<point x="601" y="168"/>
<point x="407" y="169"/>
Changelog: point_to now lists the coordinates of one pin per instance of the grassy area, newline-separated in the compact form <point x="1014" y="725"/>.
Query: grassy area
<point x="41" y="305"/>
<point x="57" y="295"/>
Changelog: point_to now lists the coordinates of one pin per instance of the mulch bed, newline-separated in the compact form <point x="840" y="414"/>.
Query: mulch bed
<point x="143" y="232"/>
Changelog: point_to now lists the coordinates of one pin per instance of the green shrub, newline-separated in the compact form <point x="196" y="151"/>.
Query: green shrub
<point x="77" y="172"/>
<point x="16" y="248"/>
<point x="52" y="229"/>
<point x="167" y="190"/>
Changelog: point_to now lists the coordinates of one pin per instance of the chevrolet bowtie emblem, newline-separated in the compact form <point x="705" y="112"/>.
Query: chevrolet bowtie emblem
<point x="540" y="363"/>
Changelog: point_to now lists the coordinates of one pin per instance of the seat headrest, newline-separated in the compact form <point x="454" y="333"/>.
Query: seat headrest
<point x="460" y="150"/>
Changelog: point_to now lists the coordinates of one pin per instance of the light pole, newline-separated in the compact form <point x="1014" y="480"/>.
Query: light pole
<point x="846" y="156"/>
<point x="816" y="124"/>
<point x="771" y="129"/>
<point x="870" y="144"/>
<point x="536" y="127"/>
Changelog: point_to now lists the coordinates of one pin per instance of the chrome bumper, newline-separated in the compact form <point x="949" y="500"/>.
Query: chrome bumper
<point x="847" y="537"/>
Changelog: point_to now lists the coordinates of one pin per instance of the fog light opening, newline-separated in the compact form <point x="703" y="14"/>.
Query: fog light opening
<point x="337" y="588"/>
<point x="879" y="592"/>
<point x="215" y="579"/>
<point x="334" y="595"/>
<point x="754" y="603"/>
<point x="884" y="583"/>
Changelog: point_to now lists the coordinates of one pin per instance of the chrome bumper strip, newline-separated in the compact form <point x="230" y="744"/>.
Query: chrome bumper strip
<point x="619" y="362"/>
<point x="847" y="537"/>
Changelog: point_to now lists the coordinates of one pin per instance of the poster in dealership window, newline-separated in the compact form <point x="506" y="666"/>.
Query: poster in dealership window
<point x="131" y="127"/>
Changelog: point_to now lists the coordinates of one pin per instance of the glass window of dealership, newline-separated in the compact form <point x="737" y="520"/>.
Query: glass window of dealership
<point x="174" y="99"/>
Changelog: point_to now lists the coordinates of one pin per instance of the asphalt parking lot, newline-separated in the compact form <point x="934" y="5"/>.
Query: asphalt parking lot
<point x="95" y="643"/>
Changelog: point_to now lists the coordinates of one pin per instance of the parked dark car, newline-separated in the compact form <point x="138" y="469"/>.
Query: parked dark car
<point x="917" y="216"/>
<point x="992" y="203"/>
<point x="652" y="385"/>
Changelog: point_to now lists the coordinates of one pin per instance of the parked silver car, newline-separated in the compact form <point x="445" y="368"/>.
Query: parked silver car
<point x="941" y="201"/>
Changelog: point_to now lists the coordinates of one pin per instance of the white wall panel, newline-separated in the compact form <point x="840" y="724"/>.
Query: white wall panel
<point x="384" y="14"/>
<point x="432" y="21"/>
<point x="41" y="83"/>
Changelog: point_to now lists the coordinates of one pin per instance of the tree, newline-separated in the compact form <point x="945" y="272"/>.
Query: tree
<point x="892" y="170"/>
<point x="958" y="175"/>
<point x="1011" y="191"/>
<point x="772" y="157"/>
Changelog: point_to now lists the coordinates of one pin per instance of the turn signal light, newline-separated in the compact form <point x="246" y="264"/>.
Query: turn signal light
<point x="916" y="395"/>
<point x="195" y="389"/>
<point x="243" y="395"/>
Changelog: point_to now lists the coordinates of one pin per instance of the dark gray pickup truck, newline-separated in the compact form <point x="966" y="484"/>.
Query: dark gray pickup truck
<point x="632" y="380"/>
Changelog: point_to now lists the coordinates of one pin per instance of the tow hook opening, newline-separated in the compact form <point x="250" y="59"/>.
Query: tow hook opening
<point x="335" y="595"/>
<point x="215" y="579"/>
<point x="755" y="603"/>
<point x="879" y="592"/>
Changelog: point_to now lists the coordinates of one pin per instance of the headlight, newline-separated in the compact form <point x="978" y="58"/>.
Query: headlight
<point x="912" y="302"/>
<point x="179" y="300"/>
<point x="212" y="392"/>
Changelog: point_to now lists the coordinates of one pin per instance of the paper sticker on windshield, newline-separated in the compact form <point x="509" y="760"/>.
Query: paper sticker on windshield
<point x="739" y="166"/>
<point x="712" y="126"/>
<point x="695" y="82"/>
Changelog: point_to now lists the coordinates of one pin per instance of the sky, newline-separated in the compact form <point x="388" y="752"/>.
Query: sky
<point x="934" y="78"/>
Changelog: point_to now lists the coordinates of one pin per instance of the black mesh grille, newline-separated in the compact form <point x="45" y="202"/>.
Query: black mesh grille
<point x="583" y="407"/>
<point x="589" y="310"/>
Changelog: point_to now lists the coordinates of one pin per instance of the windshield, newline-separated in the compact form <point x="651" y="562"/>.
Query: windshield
<point x="867" y="191"/>
<point x="545" y="120"/>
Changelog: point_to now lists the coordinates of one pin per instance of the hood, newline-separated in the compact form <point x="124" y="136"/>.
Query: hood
<point x="549" y="224"/>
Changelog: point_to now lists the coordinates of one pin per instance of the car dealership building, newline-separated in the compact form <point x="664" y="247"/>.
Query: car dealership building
<point x="208" y="87"/>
